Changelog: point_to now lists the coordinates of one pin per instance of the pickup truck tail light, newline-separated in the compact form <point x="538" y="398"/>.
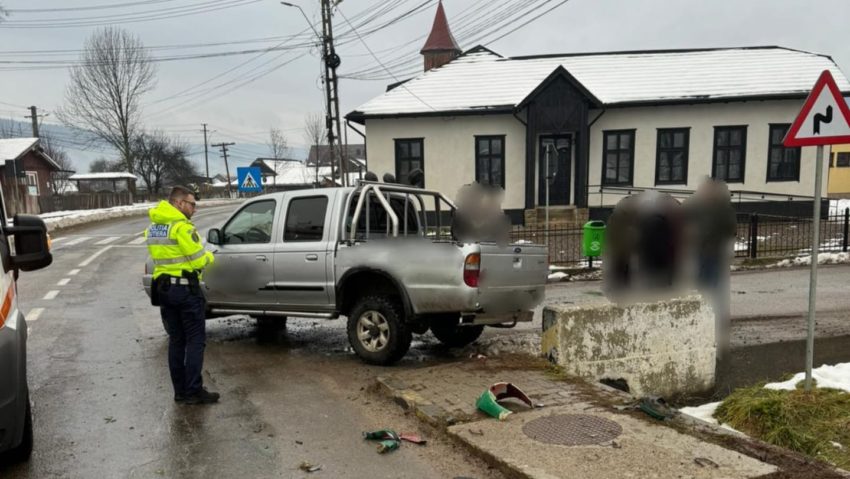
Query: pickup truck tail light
<point x="471" y="270"/>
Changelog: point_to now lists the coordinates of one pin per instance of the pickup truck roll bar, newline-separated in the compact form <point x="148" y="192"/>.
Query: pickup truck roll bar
<point x="364" y="188"/>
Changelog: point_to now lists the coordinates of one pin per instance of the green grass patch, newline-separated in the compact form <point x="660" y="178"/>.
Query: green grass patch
<point x="808" y="422"/>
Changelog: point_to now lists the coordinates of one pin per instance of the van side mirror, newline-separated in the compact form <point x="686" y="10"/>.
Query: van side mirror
<point x="214" y="236"/>
<point x="31" y="249"/>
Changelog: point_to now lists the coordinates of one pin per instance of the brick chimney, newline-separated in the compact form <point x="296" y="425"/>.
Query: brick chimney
<point x="441" y="46"/>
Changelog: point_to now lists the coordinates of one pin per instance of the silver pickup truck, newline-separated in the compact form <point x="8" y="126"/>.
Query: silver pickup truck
<point x="380" y="254"/>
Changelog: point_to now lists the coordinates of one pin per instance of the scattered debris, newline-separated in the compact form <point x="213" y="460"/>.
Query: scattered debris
<point x="476" y="432"/>
<point x="109" y="419"/>
<point x="706" y="462"/>
<point x="487" y="402"/>
<point x="413" y="438"/>
<point x="656" y="407"/>
<point x="477" y="356"/>
<point x="300" y="443"/>
<point x="307" y="467"/>
<point x="387" y="446"/>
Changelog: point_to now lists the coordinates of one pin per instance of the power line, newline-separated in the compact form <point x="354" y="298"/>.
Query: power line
<point x="91" y="7"/>
<point x="162" y="14"/>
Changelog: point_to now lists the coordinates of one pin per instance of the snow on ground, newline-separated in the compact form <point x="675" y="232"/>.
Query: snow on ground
<point x="837" y="207"/>
<point x="835" y="377"/>
<point x="560" y="275"/>
<point x="826" y="376"/>
<point x="823" y="258"/>
<point x="63" y="219"/>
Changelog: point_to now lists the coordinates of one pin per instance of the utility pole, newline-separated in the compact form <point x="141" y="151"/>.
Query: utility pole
<point x="223" y="147"/>
<point x="206" y="151"/>
<point x="332" y="61"/>
<point x="34" y="115"/>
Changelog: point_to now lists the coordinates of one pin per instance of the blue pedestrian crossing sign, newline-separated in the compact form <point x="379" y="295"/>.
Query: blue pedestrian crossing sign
<point x="249" y="179"/>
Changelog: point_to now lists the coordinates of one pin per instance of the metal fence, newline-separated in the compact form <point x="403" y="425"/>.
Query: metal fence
<point x="765" y="236"/>
<point x="759" y="236"/>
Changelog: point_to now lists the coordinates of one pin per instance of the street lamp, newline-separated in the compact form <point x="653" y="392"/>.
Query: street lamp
<point x="305" y="16"/>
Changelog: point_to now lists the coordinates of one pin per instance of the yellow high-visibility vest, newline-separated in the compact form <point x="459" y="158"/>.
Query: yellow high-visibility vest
<point x="174" y="244"/>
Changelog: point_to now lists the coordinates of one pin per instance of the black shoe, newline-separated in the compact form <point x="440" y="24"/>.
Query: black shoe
<point x="202" y="397"/>
<point x="179" y="398"/>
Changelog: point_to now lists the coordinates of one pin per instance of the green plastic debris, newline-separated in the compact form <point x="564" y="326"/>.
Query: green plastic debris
<point x="487" y="403"/>
<point x="387" y="446"/>
<point x="390" y="440"/>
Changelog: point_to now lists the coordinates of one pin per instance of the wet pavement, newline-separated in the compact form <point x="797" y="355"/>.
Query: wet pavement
<point x="103" y="402"/>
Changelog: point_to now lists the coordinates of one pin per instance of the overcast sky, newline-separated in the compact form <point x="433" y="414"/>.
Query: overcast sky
<point x="241" y="97"/>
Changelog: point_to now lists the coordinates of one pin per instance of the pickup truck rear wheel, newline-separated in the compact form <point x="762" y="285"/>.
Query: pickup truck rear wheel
<point x="377" y="330"/>
<point x="449" y="331"/>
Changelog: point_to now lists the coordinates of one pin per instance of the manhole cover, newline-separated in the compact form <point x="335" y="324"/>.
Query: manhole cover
<point x="572" y="429"/>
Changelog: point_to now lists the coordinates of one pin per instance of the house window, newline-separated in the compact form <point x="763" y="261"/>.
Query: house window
<point x="842" y="160"/>
<point x="671" y="162"/>
<point x="783" y="164"/>
<point x="32" y="183"/>
<point x="490" y="160"/>
<point x="409" y="156"/>
<point x="618" y="157"/>
<point x="730" y="146"/>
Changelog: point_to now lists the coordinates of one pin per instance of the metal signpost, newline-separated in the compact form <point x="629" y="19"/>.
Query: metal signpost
<point x="824" y="120"/>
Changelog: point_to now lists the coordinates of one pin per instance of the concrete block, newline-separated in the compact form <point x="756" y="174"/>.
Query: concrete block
<point x="661" y="348"/>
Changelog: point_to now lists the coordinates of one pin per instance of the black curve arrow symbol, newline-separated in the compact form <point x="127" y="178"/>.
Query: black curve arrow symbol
<point x="822" y="118"/>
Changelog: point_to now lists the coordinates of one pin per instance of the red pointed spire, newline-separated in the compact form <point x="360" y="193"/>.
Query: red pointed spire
<point x="440" y="39"/>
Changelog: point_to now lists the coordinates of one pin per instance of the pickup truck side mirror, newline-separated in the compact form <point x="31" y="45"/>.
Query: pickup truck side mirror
<point x="31" y="248"/>
<point x="214" y="236"/>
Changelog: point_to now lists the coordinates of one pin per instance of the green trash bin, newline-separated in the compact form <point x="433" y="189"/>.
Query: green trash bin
<point x="593" y="239"/>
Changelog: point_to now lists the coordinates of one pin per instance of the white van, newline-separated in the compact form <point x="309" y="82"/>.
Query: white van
<point x="23" y="247"/>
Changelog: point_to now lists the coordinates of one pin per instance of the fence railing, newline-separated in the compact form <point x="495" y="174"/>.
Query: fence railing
<point x="759" y="236"/>
<point x="765" y="236"/>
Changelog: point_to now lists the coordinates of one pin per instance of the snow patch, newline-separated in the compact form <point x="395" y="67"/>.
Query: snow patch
<point x="833" y="377"/>
<point x="63" y="219"/>
<point x="823" y="258"/>
<point x="837" y="207"/>
<point x="559" y="276"/>
<point x="705" y="412"/>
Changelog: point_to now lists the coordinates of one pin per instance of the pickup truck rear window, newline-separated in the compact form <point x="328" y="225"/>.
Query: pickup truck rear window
<point x="305" y="219"/>
<point x="378" y="216"/>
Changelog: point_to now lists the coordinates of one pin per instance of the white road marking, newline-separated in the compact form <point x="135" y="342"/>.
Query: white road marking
<point x="73" y="272"/>
<point x="108" y="240"/>
<point x="51" y="294"/>
<point x="56" y="240"/>
<point x="34" y="314"/>
<point x="94" y="256"/>
<point x="77" y="240"/>
<point x="139" y="240"/>
<point x="63" y="281"/>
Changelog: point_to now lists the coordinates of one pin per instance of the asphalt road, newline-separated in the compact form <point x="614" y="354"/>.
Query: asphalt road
<point x="103" y="402"/>
<point x="99" y="380"/>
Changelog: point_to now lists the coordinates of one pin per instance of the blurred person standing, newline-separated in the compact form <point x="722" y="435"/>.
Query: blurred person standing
<point x="713" y="230"/>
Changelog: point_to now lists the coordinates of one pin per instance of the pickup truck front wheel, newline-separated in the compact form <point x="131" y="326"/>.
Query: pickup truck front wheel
<point x="377" y="331"/>
<point x="449" y="331"/>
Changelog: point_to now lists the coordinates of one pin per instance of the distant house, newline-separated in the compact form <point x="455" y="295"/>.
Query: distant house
<point x="356" y="155"/>
<point x="839" y="172"/>
<point x="112" y="182"/>
<point x="23" y="158"/>
<point x="25" y="173"/>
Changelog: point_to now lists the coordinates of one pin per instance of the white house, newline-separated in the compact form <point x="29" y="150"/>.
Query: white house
<point x="613" y="123"/>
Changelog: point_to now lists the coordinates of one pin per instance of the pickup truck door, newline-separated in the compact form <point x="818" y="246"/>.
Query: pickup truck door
<point x="243" y="273"/>
<point x="301" y="256"/>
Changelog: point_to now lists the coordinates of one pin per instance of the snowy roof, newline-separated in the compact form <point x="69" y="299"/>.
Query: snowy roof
<point x="13" y="148"/>
<point x="289" y="172"/>
<point x="480" y="79"/>
<point x="103" y="176"/>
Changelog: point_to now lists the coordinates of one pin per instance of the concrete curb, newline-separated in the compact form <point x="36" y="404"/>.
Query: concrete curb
<point x="60" y="223"/>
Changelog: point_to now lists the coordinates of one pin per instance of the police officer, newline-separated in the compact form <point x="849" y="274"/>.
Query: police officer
<point x="179" y="259"/>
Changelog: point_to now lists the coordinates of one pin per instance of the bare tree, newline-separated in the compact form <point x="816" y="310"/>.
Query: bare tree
<point x="59" y="183"/>
<point x="106" y="87"/>
<point x="278" y="145"/>
<point x="102" y="165"/>
<point x="314" y="133"/>
<point x="161" y="161"/>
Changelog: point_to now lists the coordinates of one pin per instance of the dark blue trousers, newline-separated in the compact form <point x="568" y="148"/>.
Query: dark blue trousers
<point x="183" y="313"/>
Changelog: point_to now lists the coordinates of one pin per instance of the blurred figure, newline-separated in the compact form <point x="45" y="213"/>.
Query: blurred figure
<point x="620" y="246"/>
<point x="479" y="215"/>
<point x="713" y="227"/>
